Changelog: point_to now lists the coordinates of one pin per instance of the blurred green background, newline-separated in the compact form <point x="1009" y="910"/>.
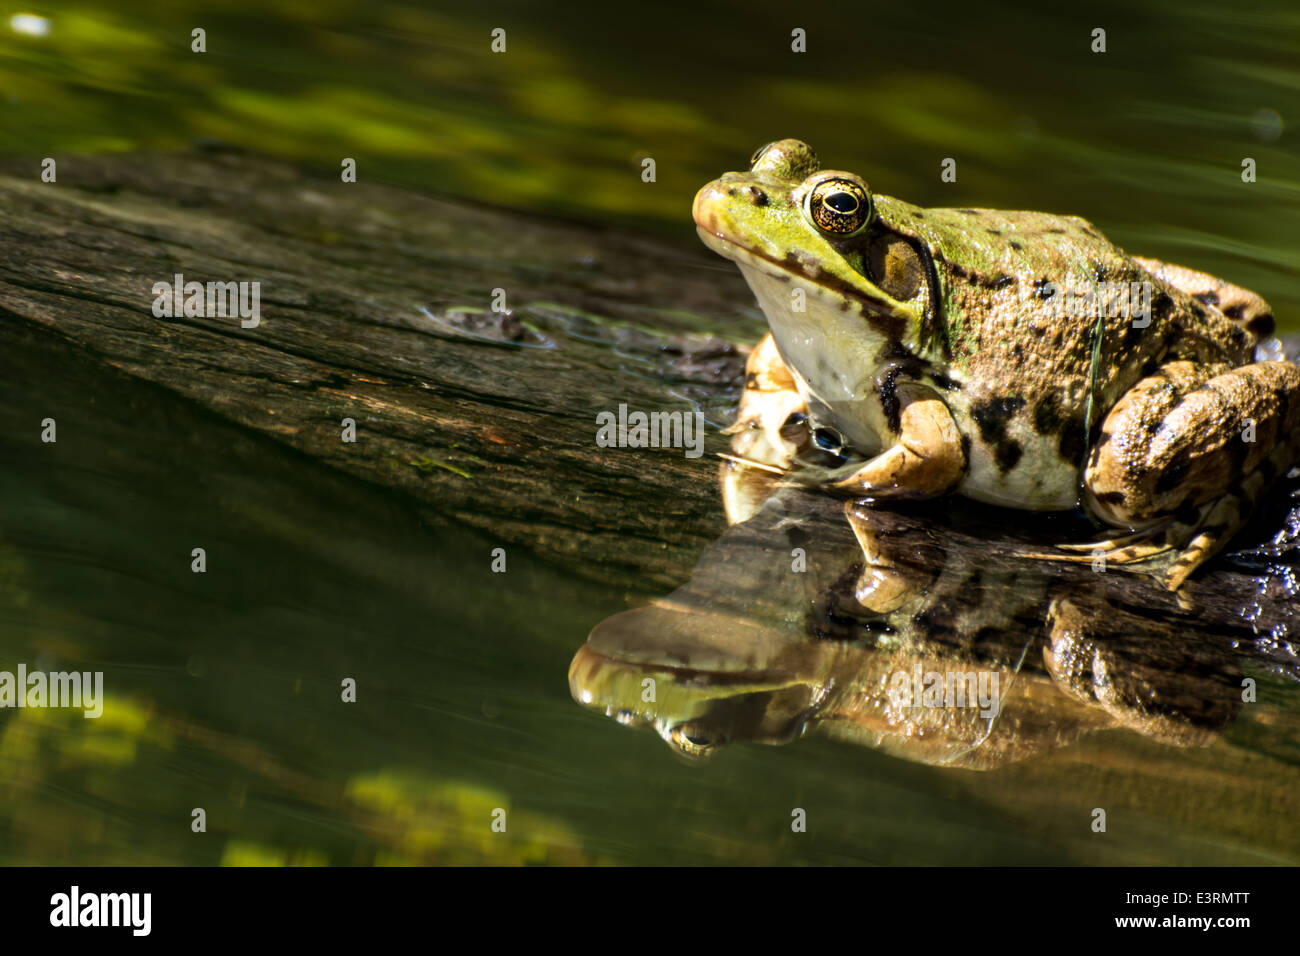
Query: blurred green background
<point x="1146" y="139"/>
<point x="223" y="693"/>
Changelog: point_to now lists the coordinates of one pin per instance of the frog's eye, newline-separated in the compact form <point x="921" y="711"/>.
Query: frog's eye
<point x="693" y="742"/>
<point x="840" y="207"/>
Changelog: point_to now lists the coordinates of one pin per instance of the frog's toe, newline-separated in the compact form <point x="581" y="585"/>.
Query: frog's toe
<point x="1113" y="544"/>
<point x="1181" y="545"/>
<point x="1175" y="548"/>
<point x="1145" y="544"/>
<point x="1219" y="521"/>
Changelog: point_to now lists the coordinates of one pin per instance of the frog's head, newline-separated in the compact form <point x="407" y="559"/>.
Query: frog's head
<point x="839" y="287"/>
<point x="700" y="679"/>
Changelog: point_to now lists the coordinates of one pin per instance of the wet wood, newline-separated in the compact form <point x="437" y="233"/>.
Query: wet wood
<point x="374" y="307"/>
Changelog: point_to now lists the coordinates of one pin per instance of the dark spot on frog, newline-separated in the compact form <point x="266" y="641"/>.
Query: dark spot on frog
<point x="917" y="215"/>
<point x="1283" y="413"/>
<point x="1016" y="246"/>
<point x="1099" y="272"/>
<point x="1071" y="444"/>
<point x="1188" y="512"/>
<point x="758" y="197"/>
<point x="1173" y="476"/>
<point x="1132" y="334"/>
<point x="1161" y="305"/>
<point x="1212" y="298"/>
<point x="1261" y="325"/>
<point x="974" y="277"/>
<point x="802" y="262"/>
<point x="1111" y="498"/>
<point x="1044" y="289"/>
<point x="993" y="415"/>
<point x="889" y="397"/>
<point x="1008" y="454"/>
<point x="969" y="212"/>
<point x="751" y="380"/>
<point x="1234" y="312"/>
<point x="1047" y="415"/>
<point x="1055" y="231"/>
<point x="965" y="448"/>
<point x="994" y="232"/>
<point x="1237" y="451"/>
<point x="894" y="352"/>
<point x="943" y="381"/>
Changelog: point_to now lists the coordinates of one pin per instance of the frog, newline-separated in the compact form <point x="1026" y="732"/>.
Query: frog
<point x="935" y="351"/>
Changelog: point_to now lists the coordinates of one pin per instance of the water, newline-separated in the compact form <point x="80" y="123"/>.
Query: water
<point x="224" y="688"/>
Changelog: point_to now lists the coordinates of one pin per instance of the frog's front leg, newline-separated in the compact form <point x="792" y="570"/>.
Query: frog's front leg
<point x="1186" y="452"/>
<point x="927" y="458"/>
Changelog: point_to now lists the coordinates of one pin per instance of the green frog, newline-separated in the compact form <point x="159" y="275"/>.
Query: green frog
<point x="1017" y="358"/>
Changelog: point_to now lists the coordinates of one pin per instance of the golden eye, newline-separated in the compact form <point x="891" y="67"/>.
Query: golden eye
<point x="839" y="207"/>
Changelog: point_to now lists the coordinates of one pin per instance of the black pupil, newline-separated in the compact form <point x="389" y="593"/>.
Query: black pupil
<point x="698" y="741"/>
<point x="827" y="439"/>
<point x="842" y="202"/>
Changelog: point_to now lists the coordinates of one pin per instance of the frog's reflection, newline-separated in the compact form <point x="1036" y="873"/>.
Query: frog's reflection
<point x="895" y="631"/>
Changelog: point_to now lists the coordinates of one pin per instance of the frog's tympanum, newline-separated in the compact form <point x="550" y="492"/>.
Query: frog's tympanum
<point x="1016" y="358"/>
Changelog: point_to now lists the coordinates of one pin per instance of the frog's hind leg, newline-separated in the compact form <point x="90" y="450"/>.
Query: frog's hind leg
<point x="1245" y="308"/>
<point x="1188" y="457"/>
<point x="1221" y="519"/>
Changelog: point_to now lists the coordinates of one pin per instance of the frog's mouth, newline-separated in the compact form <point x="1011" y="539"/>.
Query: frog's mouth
<point x="886" y="314"/>
<point x="831" y="348"/>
